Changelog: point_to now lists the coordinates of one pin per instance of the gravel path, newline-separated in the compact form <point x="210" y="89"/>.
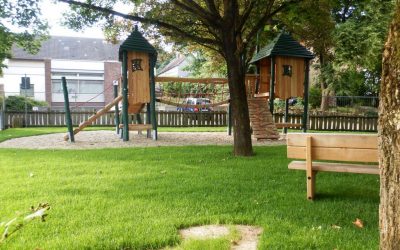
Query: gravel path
<point x="108" y="139"/>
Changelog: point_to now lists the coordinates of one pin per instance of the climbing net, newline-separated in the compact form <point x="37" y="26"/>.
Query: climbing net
<point x="192" y="93"/>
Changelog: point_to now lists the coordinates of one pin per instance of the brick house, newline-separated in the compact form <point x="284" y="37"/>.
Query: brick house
<point x="90" y="66"/>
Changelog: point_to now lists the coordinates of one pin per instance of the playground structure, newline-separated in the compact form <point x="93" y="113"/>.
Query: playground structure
<point x="283" y="68"/>
<point x="138" y="58"/>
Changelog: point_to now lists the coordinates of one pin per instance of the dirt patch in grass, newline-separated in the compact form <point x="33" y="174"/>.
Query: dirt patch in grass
<point x="248" y="235"/>
<point x="109" y="139"/>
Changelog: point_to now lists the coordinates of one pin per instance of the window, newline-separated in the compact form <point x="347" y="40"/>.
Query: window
<point x="287" y="70"/>
<point x="85" y="86"/>
<point x="79" y="83"/>
<point x="90" y="87"/>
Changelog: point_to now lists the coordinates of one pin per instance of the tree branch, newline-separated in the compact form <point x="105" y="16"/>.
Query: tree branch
<point x="212" y="16"/>
<point x="213" y="9"/>
<point x="181" y="32"/>
<point x="245" y="15"/>
<point x="267" y="15"/>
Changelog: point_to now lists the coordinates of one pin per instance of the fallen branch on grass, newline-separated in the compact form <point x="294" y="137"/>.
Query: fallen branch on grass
<point x="12" y="226"/>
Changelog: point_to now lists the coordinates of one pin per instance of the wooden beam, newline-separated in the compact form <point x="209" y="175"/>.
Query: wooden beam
<point x="272" y="86"/>
<point x="309" y="170"/>
<point x="95" y="116"/>
<point x="137" y="127"/>
<point x="288" y="125"/>
<point x="335" y="154"/>
<point x="192" y="80"/>
<point x="266" y="94"/>
<point x="325" y="140"/>
<point x="336" y="167"/>
<point x="200" y="80"/>
<point x="180" y="105"/>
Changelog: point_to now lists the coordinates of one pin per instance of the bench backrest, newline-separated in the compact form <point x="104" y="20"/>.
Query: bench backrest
<point x="335" y="147"/>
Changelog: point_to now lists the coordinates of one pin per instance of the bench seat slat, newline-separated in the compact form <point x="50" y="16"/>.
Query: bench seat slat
<point x="335" y="154"/>
<point x="366" y="141"/>
<point x="336" y="167"/>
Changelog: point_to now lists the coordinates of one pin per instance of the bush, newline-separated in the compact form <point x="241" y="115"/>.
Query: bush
<point x="315" y="96"/>
<point x="17" y="103"/>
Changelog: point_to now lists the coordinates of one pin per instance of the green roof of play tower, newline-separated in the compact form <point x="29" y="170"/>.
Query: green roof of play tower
<point x="136" y="42"/>
<point x="283" y="45"/>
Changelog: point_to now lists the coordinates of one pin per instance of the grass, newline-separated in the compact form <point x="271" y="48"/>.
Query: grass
<point x="23" y="132"/>
<point x="138" y="198"/>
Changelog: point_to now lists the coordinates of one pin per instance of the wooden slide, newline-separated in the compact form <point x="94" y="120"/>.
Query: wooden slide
<point x="95" y="116"/>
<point x="261" y="119"/>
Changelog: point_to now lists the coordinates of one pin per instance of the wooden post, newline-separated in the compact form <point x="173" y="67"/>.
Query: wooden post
<point x="139" y="121"/>
<point x="229" y="119"/>
<point x="310" y="172"/>
<point x="67" y="111"/>
<point x="125" y="129"/>
<point x="306" y="83"/>
<point x="115" y="83"/>
<point x="148" y="119"/>
<point x="286" y="115"/>
<point x="153" y="99"/>
<point x="272" y="86"/>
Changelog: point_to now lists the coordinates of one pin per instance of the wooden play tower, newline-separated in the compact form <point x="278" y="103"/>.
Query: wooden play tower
<point x="138" y="58"/>
<point x="283" y="67"/>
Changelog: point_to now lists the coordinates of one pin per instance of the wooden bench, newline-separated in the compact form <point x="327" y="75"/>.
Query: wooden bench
<point x="332" y="147"/>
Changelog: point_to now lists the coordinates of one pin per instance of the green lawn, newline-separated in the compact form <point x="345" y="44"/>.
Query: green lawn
<point x="138" y="198"/>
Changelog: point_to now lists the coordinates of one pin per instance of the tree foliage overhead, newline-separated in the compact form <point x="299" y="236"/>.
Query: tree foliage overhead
<point x="20" y="24"/>
<point x="347" y="37"/>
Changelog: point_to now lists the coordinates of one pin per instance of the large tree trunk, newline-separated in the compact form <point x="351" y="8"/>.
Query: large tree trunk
<point x="236" y="76"/>
<point x="241" y="121"/>
<point x="389" y="140"/>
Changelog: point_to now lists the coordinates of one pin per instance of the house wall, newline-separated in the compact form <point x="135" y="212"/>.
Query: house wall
<point x="112" y="71"/>
<point x="265" y="75"/>
<point x="289" y="86"/>
<point x="73" y="66"/>
<point x="34" y="69"/>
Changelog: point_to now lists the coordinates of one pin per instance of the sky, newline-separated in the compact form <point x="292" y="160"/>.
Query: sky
<point x="53" y="13"/>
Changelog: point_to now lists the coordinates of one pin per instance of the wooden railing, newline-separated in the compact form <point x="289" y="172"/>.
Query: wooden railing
<point x="188" y="119"/>
<point x="250" y="81"/>
<point x="334" y="122"/>
<point x="164" y="118"/>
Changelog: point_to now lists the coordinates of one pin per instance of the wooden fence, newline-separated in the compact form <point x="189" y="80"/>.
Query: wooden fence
<point x="334" y="122"/>
<point x="189" y="119"/>
<point x="164" y="118"/>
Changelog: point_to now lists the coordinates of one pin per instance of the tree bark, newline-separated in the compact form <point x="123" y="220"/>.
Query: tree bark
<point x="324" y="87"/>
<point x="389" y="140"/>
<point x="235" y="61"/>
<point x="241" y="122"/>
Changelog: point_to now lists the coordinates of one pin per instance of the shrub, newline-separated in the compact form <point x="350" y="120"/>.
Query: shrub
<point x="315" y="96"/>
<point x="17" y="103"/>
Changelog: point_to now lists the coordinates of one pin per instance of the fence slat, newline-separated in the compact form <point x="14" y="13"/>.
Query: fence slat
<point x="185" y="119"/>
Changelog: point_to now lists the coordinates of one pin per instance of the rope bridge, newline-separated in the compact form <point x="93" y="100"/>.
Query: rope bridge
<point x="174" y="91"/>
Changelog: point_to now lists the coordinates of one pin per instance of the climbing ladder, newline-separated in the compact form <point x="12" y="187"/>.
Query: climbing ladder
<point x="261" y="119"/>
